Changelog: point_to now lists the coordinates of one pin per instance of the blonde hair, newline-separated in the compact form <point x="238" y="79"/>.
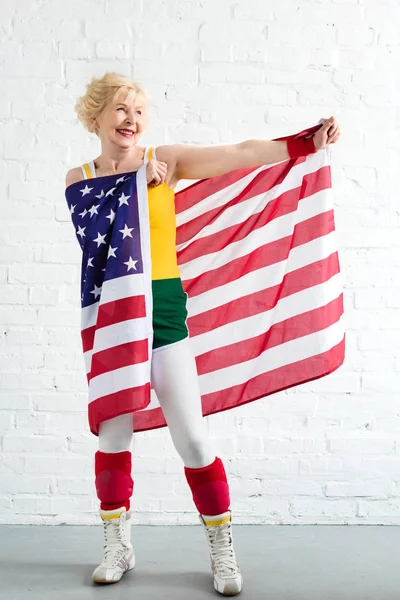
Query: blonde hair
<point x="101" y="91"/>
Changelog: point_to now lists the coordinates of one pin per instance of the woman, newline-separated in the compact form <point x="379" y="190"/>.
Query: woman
<point x="116" y="109"/>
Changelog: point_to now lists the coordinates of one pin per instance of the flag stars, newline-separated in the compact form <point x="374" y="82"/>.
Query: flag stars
<point x="111" y="216"/>
<point x="120" y="180"/>
<point x="111" y="192"/>
<point x="131" y="264"/>
<point x="126" y="231"/>
<point x="86" y="190"/>
<point x="90" y="262"/>
<point x="100" y="239"/>
<point x="81" y="231"/>
<point x="96" y="292"/>
<point x="72" y="209"/>
<point x="111" y="252"/>
<point x="123" y="199"/>
<point x="101" y="195"/>
<point x="93" y="210"/>
<point x="83" y="213"/>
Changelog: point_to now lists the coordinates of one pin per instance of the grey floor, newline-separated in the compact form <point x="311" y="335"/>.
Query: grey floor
<point x="278" y="563"/>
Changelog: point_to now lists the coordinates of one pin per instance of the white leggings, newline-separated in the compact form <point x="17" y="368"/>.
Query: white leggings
<point x="175" y="380"/>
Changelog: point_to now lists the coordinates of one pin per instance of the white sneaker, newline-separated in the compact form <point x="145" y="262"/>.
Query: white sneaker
<point x="227" y="577"/>
<point x="118" y="552"/>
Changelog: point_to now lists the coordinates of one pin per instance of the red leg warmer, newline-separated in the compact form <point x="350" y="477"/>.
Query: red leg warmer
<point x="210" y="488"/>
<point x="114" y="483"/>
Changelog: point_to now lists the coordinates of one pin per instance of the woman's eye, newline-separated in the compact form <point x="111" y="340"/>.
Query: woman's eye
<point x="121" y="108"/>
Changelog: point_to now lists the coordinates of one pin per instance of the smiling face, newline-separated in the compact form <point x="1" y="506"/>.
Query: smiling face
<point x="123" y="120"/>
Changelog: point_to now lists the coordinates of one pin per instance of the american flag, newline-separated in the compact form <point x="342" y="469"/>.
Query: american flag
<point x="258" y="259"/>
<point x="110" y="215"/>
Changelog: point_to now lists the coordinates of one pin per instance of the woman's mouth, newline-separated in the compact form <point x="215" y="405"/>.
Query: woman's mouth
<point x="126" y="133"/>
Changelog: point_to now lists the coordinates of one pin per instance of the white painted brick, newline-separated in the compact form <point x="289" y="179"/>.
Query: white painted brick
<point x="361" y="446"/>
<point x="212" y="74"/>
<point x="76" y="49"/>
<point x="41" y="273"/>
<point x="67" y="465"/>
<point x="70" y="505"/>
<point x="14" y="401"/>
<point x="31" y="421"/>
<point x="107" y="49"/>
<point x="369" y="298"/>
<point x="26" y="484"/>
<point x="379" y="508"/>
<point x="295" y="487"/>
<point x="389" y="384"/>
<point x="378" y="340"/>
<point x="377" y="489"/>
<point x="267" y="466"/>
<point x="57" y="401"/>
<point x="7" y="421"/>
<point x="79" y="486"/>
<point x="18" y="316"/>
<point x="24" y="336"/>
<point x="3" y="273"/>
<point x="13" y="294"/>
<point x="393" y="298"/>
<point x="30" y="381"/>
<point x="43" y="296"/>
<point x="33" y="443"/>
<point x="320" y="508"/>
<point x="24" y="358"/>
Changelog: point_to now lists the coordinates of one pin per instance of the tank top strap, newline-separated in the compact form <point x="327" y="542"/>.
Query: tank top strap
<point x="88" y="170"/>
<point x="149" y="154"/>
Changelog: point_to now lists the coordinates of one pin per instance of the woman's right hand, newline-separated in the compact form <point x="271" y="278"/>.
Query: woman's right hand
<point x="156" y="171"/>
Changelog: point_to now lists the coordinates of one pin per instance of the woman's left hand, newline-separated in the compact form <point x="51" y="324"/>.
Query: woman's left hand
<point x="329" y="133"/>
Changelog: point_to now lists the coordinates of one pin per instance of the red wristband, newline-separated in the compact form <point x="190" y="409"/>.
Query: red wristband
<point x="301" y="147"/>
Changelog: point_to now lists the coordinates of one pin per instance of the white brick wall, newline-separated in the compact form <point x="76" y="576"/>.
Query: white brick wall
<point x="218" y="72"/>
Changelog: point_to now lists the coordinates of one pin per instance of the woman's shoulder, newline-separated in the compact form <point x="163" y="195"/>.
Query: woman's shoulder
<point x="73" y="176"/>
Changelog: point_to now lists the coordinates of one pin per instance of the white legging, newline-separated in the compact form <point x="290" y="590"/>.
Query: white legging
<point x="175" y="380"/>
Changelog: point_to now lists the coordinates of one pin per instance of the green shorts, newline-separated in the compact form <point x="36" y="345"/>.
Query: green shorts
<point x="169" y="312"/>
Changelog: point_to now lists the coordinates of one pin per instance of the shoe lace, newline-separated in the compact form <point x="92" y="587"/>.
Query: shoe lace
<point x="115" y="543"/>
<point x="222" y="551"/>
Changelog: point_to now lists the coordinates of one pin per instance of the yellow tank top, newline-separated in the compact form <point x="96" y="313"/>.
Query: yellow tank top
<point x="162" y="218"/>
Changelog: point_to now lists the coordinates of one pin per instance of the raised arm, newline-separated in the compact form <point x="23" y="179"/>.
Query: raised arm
<point x="193" y="162"/>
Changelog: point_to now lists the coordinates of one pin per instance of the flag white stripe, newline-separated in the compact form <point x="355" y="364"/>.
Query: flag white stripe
<point x="273" y="358"/>
<point x="255" y="281"/>
<point x="122" y="287"/>
<point x="127" y="331"/>
<point x="248" y="327"/>
<point x="118" y="379"/>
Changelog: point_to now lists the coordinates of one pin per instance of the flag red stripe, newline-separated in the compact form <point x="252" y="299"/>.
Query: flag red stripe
<point x="87" y="336"/>
<point x="263" y="300"/>
<point x="118" y="403"/>
<point x="263" y="256"/>
<point x="282" y="205"/>
<point x="124" y="355"/>
<point x="279" y="333"/>
<point x="123" y="309"/>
